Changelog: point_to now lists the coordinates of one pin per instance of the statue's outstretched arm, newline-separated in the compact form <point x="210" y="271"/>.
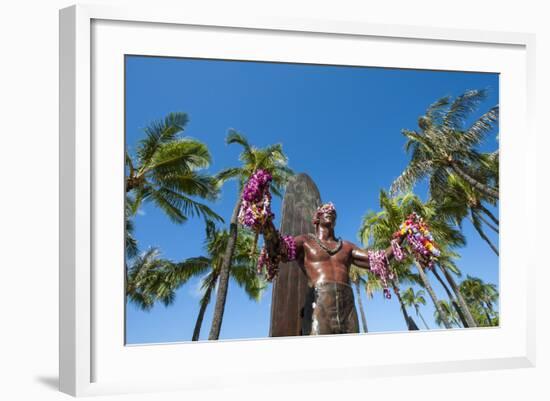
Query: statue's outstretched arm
<point x="273" y="243"/>
<point x="360" y="257"/>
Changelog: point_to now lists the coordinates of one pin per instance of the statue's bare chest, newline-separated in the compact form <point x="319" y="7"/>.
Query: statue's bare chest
<point x="329" y="252"/>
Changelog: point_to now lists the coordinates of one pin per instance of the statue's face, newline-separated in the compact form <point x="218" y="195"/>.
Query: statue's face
<point x="327" y="219"/>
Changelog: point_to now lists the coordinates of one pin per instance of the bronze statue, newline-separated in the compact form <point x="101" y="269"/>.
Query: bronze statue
<point x="326" y="261"/>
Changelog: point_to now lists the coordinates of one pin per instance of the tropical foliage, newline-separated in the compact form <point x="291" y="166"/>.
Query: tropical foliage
<point x="415" y="300"/>
<point x="151" y="278"/>
<point x="170" y="171"/>
<point x="243" y="269"/>
<point x="166" y="170"/>
<point x="271" y="159"/>
<point x="481" y="297"/>
<point x="443" y="146"/>
<point x="377" y="229"/>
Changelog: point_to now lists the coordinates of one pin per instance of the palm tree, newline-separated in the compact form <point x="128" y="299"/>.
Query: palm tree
<point x="271" y="159"/>
<point x="481" y="297"/>
<point x="443" y="146"/>
<point x="165" y="170"/>
<point x="410" y="298"/>
<point x="130" y="243"/>
<point x="377" y="228"/>
<point x="450" y="315"/>
<point x="356" y="277"/>
<point x="458" y="200"/>
<point x="151" y="278"/>
<point x="243" y="269"/>
<point x="374" y="284"/>
<point x="445" y="264"/>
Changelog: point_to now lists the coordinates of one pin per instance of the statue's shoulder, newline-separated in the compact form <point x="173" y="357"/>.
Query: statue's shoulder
<point x="349" y="244"/>
<point x="302" y="238"/>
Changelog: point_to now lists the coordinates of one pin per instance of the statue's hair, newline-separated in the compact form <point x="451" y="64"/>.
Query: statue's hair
<point x="326" y="207"/>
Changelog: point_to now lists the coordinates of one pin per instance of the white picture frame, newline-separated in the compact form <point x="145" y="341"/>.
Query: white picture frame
<point x="94" y="360"/>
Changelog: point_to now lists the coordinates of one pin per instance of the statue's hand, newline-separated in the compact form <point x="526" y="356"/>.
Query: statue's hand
<point x="402" y="238"/>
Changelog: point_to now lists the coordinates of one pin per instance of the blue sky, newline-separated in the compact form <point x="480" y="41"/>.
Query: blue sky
<point x="341" y="125"/>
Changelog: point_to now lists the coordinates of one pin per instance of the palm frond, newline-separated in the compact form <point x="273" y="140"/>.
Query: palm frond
<point x="229" y="173"/>
<point x="461" y="108"/>
<point x="178" y="206"/>
<point x="160" y="132"/>
<point x="480" y="128"/>
<point x="192" y="183"/>
<point x="179" y="156"/>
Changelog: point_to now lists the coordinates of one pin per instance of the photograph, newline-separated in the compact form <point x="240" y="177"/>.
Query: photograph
<point x="276" y="199"/>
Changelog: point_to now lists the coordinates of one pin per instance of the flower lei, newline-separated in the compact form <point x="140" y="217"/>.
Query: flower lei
<point x="271" y="263"/>
<point x="325" y="208"/>
<point x="420" y="240"/>
<point x="421" y="246"/>
<point x="255" y="209"/>
<point x="255" y="212"/>
<point x="379" y="265"/>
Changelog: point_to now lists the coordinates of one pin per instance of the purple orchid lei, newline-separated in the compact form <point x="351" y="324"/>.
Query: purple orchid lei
<point x="379" y="265"/>
<point x="255" y="213"/>
<point x="255" y="209"/>
<point x="271" y="263"/>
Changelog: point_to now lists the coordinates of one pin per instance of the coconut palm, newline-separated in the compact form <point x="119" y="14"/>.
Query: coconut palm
<point x="415" y="299"/>
<point x="270" y="158"/>
<point x="243" y="269"/>
<point x="458" y="200"/>
<point x="411" y="324"/>
<point x="151" y="278"/>
<point x="166" y="171"/>
<point x="377" y="228"/>
<point x="481" y="297"/>
<point x="356" y="277"/>
<point x="130" y="243"/>
<point x="374" y="284"/>
<point x="445" y="264"/>
<point x="442" y="145"/>
<point x="450" y="315"/>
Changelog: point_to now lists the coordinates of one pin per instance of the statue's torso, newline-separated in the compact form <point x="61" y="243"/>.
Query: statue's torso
<point x="321" y="266"/>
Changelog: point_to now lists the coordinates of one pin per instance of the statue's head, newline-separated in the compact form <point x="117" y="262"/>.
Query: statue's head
<point x="325" y="215"/>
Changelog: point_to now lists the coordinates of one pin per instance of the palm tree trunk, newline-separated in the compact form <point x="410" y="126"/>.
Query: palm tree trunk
<point x="473" y="182"/>
<point x="422" y="317"/>
<point x="412" y="324"/>
<point x="430" y="290"/>
<point x="488" y="213"/>
<point x="204" y="304"/>
<point x="483" y="235"/>
<point x="408" y="320"/>
<point x="467" y="314"/>
<point x="487" y="316"/>
<point x="224" y="274"/>
<point x="488" y="310"/>
<point x="451" y="298"/>
<point x="480" y="216"/>
<point x="361" y="310"/>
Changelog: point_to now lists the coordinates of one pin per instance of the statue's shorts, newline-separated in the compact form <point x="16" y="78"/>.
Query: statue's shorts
<point x="334" y="309"/>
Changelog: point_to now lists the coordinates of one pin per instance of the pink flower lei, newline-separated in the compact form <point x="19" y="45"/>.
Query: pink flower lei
<point x="380" y="266"/>
<point x="271" y="262"/>
<point x="255" y="212"/>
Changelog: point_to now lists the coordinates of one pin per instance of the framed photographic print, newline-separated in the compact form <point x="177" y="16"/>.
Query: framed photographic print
<point x="274" y="199"/>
